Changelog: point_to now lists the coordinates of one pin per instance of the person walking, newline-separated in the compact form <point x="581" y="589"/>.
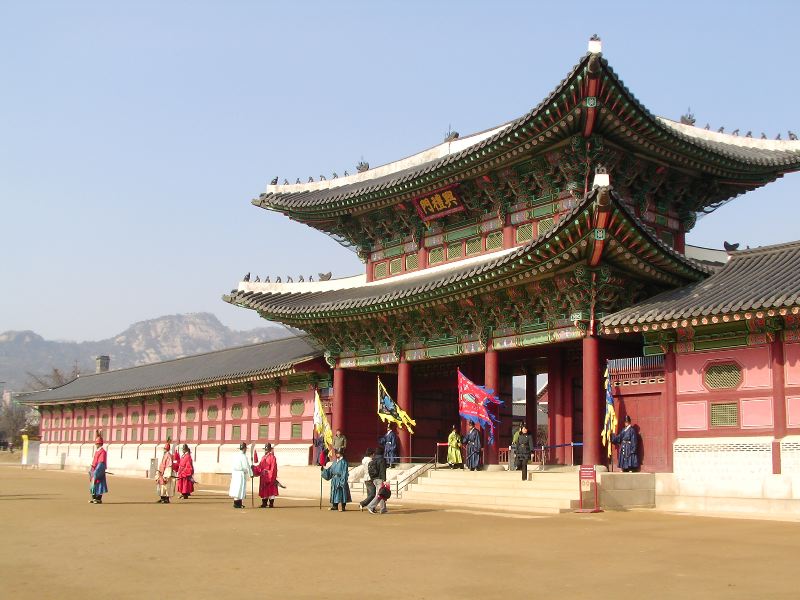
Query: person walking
<point x="165" y="480"/>
<point x="473" y="444"/>
<point x="339" y="442"/>
<point x="185" y="473"/>
<point x="337" y="475"/>
<point x="240" y="473"/>
<point x="267" y="472"/>
<point x="524" y="449"/>
<point x="628" y="443"/>
<point x="97" y="472"/>
<point x="389" y="442"/>
<point x="378" y="470"/>
<point x="366" y="478"/>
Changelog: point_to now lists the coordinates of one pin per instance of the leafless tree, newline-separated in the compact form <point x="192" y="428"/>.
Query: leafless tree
<point x="14" y="418"/>
<point x="53" y="379"/>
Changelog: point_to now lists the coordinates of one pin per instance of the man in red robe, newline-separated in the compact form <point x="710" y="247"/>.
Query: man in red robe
<point x="185" y="472"/>
<point x="97" y="472"/>
<point x="267" y="471"/>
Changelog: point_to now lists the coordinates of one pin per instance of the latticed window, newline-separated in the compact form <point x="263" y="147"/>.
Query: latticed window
<point x="725" y="414"/>
<point x="494" y="241"/>
<point x="412" y="262"/>
<point x="297" y="431"/>
<point x="545" y="225"/>
<point x="237" y="411"/>
<point x="134" y="435"/>
<point x="236" y="432"/>
<point x="524" y="233"/>
<point x="105" y="419"/>
<point x="724" y="376"/>
<point x="78" y="421"/>
<point x="395" y="266"/>
<point x="118" y="419"/>
<point x="151" y="416"/>
<point x="191" y="414"/>
<point x="134" y="417"/>
<point x="474" y="246"/>
<point x="169" y="433"/>
<point x="381" y="270"/>
<point x="455" y="250"/>
<point x="91" y="420"/>
<point x="297" y="407"/>
<point x="263" y="431"/>
<point x="79" y="436"/>
<point x="436" y="255"/>
<point x="212" y="412"/>
<point x="170" y="416"/>
<point x="118" y="435"/>
<point x="151" y="435"/>
<point x="264" y="409"/>
<point x="211" y="432"/>
<point x="189" y="434"/>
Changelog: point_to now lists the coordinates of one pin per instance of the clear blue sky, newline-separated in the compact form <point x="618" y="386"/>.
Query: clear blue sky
<point x="133" y="135"/>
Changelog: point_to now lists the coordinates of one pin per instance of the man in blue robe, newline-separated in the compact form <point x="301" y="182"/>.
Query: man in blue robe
<point x="389" y="442"/>
<point x="627" y="440"/>
<point x="337" y="475"/>
<point x="473" y="443"/>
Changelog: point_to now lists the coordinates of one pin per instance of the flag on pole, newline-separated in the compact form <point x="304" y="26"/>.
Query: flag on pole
<point x="473" y="404"/>
<point x="321" y="426"/>
<point x="610" y="421"/>
<point x="389" y="411"/>
<point x="255" y="456"/>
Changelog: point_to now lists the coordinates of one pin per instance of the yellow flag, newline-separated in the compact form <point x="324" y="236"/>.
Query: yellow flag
<point x="321" y="425"/>
<point x="389" y="411"/>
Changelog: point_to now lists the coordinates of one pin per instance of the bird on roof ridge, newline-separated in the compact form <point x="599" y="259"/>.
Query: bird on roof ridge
<point x="266" y="279"/>
<point x="335" y="176"/>
<point x="763" y="135"/>
<point x="298" y="180"/>
<point x="777" y="137"/>
<point x="322" y="178"/>
<point x="748" y="134"/>
<point x="707" y="127"/>
<point x="285" y="181"/>
<point x="310" y="179"/>
<point x="289" y="279"/>
<point x="300" y="279"/>
<point x="735" y="132"/>
<point x="274" y="181"/>
<point x="278" y="279"/>
<point x="721" y="130"/>
<point x="246" y="277"/>
<point x="257" y="279"/>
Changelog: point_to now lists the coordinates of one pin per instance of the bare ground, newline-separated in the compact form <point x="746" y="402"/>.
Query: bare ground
<point x="56" y="545"/>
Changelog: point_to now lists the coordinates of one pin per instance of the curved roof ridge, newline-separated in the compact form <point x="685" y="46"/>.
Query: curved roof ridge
<point x="733" y="140"/>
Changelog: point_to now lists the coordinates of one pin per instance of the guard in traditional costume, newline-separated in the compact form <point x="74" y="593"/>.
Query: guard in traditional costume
<point x="454" y="458"/>
<point x="240" y="473"/>
<point x="267" y="472"/>
<point x="337" y="475"/>
<point x="627" y="440"/>
<point x="473" y="444"/>
<point x="97" y="472"/>
<point x="390" y="443"/>
<point x="165" y="477"/>
<point x="185" y="473"/>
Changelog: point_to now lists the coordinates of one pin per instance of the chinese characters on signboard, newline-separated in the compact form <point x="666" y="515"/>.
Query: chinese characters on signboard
<point x="438" y="204"/>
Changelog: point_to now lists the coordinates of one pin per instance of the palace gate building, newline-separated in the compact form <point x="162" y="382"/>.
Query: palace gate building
<point x="555" y="243"/>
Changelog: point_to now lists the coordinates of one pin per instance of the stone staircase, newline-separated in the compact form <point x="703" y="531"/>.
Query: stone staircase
<point x="544" y="492"/>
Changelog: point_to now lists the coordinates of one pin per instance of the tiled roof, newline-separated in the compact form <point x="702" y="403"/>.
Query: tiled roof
<point x="770" y="155"/>
<point x="759" y="279"/>
<point x="233" y="365"/>
<point x="405" y="290"/>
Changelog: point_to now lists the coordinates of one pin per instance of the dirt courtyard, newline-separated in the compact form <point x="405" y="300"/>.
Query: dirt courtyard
<point x="56" y="545"/>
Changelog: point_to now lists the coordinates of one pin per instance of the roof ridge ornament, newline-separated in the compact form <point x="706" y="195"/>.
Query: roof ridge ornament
<point x="687" y="118"/>
<point x="601" y="177"/>
<point x="595" y="44"/>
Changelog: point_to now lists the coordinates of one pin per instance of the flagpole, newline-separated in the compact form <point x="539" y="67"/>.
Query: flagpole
<point x="252" y="500"/>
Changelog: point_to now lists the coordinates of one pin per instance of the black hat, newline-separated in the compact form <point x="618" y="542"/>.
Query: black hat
<point x="242" y="446"/>
<point x="268" y="447"/>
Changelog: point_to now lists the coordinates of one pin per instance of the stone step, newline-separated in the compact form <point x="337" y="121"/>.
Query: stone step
<point x="529" y="492"/>
<point x="495" y="502"/>
<point x="509" y="480"/>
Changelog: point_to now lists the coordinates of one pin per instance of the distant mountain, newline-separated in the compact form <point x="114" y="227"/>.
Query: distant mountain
<point x="164" y="338"/>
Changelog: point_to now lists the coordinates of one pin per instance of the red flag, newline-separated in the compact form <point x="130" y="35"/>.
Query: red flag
<point x="473" y="404"/>
<point x="255" y="456"/>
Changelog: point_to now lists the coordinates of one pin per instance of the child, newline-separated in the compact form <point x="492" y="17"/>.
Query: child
<point x="384" y="493"/>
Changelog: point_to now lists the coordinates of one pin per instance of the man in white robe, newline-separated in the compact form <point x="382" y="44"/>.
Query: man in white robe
<point x="240" y="473"/>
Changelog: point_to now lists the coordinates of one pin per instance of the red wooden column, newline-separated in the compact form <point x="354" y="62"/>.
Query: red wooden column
<point x="338" y="400"/>
<point x="531" y="407"/>
<point x="404" y="402"/>
<point x="671" y="403"/>
<point x="422" y="255"/>
<point x="491" y="379"/>
<point x="508" y="233"/>
<point x="555" y="408"/>
<point x="591" y="400"/>
<point x="778" y="400"/>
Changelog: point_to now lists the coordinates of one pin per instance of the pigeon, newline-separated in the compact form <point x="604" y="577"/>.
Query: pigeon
<point x="257" y="280"/>
<point x="708" y="126"/>
<point x="289" y="279"/>
<point x="274" y="181"/>
<point x="285" y="182"/>
<point x="301" y="279"/>
<point x="730" y="247"/>
<point x="322" y="178"/>
<point x="266" y="279"/>
<point x="298" y="180"/>
<point x="777" y="137"/>
<point x="346" y="173"/>
<point x="748" y="134"/>
<point x="277" y="280"/>
<point x="310" y="179"/>
<point x="246" y="277"/>
<point x="311" y="278"/>
<point x="335" y="176"/>
<point x="735" y="132"/>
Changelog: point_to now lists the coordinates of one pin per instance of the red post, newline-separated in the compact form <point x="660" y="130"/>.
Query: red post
<point x="338" y="400"/>
<point x="491" y="381"/>
<point x="531" y="406"/>
<point x="671" y="402"/>
<point x="508" y="235"/>
<point x="778" y="400"/>
<point x="555" y="405"/>
<point x="404" y="402"/>
<point x="422" y="255"/>
<point x="591" y="400"/>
